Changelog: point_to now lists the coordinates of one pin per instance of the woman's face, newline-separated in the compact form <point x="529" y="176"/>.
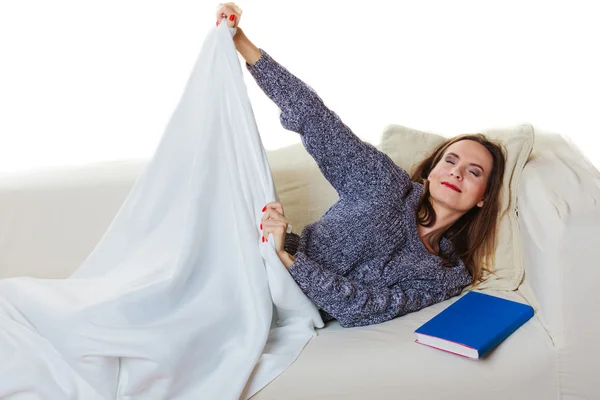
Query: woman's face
<point x="459" y="179"/>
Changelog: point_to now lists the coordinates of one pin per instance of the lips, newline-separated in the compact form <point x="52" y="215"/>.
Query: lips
<point x="451" y="186"/>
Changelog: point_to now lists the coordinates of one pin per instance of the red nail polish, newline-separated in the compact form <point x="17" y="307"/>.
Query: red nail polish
<point x="267" y="240"/>
<point x="231" y="17"/>
<point x="217" y="23"/>
<point x="264" y="209"/>
<point x="260" y="226"/>
<point x="263" y="239"/>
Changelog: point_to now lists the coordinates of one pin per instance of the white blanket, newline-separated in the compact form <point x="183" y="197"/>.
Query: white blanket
<point x="179" y="299"/>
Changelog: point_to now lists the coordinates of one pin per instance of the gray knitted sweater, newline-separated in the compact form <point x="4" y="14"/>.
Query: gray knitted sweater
<point x="362" y="262"/>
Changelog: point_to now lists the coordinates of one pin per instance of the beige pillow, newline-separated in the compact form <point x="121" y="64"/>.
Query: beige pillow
<point x="407" y="146"/>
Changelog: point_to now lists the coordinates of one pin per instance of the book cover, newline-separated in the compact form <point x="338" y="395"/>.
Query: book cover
<point x="474" y="324"/>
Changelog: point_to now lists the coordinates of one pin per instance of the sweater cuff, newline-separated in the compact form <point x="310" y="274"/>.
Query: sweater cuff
<point x="263" y="64"/>
<point x="291" y="243"/>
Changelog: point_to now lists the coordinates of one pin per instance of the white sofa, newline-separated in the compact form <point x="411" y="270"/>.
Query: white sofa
<point x="51" y="220"/>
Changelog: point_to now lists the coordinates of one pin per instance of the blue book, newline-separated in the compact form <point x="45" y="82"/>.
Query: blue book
<point x="474" y="324"/>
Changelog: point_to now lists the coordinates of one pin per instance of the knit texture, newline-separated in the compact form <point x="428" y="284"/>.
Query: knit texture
<point x="291" y="242"/>
<point x="362" y="262"/>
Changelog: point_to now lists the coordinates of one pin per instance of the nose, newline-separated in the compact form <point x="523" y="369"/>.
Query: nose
<point x="456" y="174"/>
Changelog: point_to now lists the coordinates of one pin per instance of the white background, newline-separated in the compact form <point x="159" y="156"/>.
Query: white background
<point x="95" y="81"/>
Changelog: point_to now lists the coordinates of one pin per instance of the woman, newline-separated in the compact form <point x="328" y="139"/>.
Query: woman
<point x="392" y="244"/>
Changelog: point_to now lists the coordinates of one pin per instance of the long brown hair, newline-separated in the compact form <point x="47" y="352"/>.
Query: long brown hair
<point x="473" y="235"/>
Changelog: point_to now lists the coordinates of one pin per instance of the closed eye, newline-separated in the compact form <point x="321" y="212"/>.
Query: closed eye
<point x="474" y="173"/>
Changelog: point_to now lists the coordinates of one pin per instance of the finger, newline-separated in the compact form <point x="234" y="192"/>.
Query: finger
<point x="276" y="206"/>
<point x="277" y="231"/>
<point x="233" y="17"/>
<point x="220" y="12"/>
<point x="234" y="7"/>
<point x="272" y="224"/>
<point x="230" y="13"/>
<point x="273" y="215"/>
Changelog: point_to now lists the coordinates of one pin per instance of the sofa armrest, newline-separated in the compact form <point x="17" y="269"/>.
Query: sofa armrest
<point x="559" y="215"/>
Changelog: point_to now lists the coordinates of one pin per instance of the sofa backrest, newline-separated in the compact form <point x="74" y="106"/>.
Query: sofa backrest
<point x="51" y="220"/>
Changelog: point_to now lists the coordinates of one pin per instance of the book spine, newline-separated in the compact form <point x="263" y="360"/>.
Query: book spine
<point x="527" y="314"/>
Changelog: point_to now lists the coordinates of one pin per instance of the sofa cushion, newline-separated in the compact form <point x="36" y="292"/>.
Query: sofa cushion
<point x="383" y="362"/>
<point x="407" y="146"/>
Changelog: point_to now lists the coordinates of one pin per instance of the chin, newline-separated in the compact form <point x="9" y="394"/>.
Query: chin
<point x="449" y="202"/>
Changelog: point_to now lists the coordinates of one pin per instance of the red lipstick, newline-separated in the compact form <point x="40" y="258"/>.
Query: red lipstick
<point x="451" y="186"/>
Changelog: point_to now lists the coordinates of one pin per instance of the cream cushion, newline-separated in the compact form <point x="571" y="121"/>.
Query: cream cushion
<point x="407" y="146"/>
<point x="383" y="362"/>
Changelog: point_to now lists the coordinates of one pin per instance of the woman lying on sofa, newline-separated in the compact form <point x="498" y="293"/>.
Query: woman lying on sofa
<point x="393" y="243"/>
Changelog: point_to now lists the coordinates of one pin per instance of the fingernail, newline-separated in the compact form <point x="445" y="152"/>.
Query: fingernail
<point x="260" y="226"/>
<point x="231" y="17"/>
<point x="267" y="240"/>
<point x="264" y="209"/>
<point x="263" y="239"/>
<point x="217" y="23"/>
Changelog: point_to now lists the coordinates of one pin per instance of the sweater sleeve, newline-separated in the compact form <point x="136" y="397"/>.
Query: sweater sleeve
<point x="352" y="166"/>
<point x="354" y="304"/>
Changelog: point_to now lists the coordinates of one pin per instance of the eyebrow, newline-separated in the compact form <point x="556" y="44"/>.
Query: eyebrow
<point x="473" y="164"/>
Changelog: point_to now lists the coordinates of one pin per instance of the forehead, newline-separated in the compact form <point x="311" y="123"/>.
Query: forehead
<point x="472" y="152"/>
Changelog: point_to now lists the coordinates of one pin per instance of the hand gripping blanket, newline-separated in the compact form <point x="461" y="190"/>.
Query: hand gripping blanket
<point x="179" y="299"/>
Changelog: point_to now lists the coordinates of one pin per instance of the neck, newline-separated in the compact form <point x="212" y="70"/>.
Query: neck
<point x="431" y="235"/>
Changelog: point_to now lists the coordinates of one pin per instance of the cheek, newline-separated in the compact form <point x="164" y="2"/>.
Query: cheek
<point x="478" y="190"/>
<point x="435" y="173"/>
